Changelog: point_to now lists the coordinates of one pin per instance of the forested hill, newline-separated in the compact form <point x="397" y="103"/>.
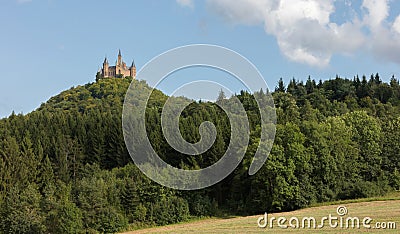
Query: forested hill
<point x="67" y="164"/>
<point x="102" y="95"/>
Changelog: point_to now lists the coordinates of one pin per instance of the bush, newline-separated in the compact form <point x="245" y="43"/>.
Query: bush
<point x="362" y="189"/>
<point x="110" y="221"/>
<point x="140" y="213"/>
<point x="20" y="211"/>
<point x="201" y="206"/>
<point x="169" y="210"/>
<point x="65" y="218"/>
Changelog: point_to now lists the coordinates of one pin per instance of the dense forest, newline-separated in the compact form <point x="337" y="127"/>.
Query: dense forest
<point x="64" y="167"/>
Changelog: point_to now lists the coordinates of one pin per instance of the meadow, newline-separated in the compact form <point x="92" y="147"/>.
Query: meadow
<point x="385" y="210"/>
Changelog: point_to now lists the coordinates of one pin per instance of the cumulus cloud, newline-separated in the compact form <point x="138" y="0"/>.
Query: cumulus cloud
<point x="185" y="3"/>
<point x="378" y="11"/>
<point x="384" y="36"/>
<point x="306" y="33"/>
<point x="396" y="25"/>
<point x="302" y="28"/>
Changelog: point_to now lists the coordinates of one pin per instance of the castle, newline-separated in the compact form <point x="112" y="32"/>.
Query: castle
<point x="120" y="69"/>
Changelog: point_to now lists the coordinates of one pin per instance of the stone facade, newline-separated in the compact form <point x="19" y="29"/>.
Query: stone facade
<point x="119" y="70"/>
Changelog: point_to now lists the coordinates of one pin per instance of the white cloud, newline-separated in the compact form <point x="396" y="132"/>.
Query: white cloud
<point x="396" y="24"/>
<point x="302" y="28"/>
<point x="185" y="3"/>
<point x="378" y="12"/>
<point x="306" y="33"/>
<point x="384" y="38"/>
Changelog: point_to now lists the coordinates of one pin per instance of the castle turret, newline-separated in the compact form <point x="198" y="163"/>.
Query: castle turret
<point x="133" y="70"/>
<point x="105" y="68"/>
<point x="119" y="58"/>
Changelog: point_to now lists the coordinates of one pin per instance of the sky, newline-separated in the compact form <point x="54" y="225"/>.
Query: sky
<point x="47" y="46"/>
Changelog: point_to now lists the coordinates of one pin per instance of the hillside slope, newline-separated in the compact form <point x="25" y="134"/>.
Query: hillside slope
<point x="105" y="95"/>
<point x="67" y="162"/>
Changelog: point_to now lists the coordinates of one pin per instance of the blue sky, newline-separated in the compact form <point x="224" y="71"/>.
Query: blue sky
<point x="51" y="45"/>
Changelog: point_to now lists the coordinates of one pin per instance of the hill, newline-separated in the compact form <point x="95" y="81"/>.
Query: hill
<point x="104" y="95"/>
<point x="67" y="164"/>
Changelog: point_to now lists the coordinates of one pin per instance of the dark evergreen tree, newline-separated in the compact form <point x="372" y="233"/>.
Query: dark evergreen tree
<point x="281" y="86"/>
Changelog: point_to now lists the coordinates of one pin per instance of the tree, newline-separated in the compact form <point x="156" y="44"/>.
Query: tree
<point x="367" y="134"/>
<point x="391" y="145"/>
<point x="98" y="76"/>
<point x="221" y="96"/>
<point x="21" y="212"/>
<point x="62" y="215"/>
<point x="310" y="85"/>
<point x="281" y="86"/>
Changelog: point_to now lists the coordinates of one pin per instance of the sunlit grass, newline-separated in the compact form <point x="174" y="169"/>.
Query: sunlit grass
<point x="380" y="209"/>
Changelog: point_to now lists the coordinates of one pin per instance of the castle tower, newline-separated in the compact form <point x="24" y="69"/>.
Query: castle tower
<point x="133" y="70"/>
<point x="119" y="58"/>
<point x="105" y="68"/>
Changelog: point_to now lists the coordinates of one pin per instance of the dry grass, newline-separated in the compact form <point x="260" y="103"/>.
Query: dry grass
<point x="387" y="210"/>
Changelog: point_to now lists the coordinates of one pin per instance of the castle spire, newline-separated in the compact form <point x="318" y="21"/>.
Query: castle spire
<point x="105" y="60"/>
<point x="133" y="63"/>
<point x="119" y="62"/>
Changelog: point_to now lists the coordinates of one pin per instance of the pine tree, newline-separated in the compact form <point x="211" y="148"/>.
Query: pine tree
<point x="281" y="86"/>
<point x="221" y="96"/>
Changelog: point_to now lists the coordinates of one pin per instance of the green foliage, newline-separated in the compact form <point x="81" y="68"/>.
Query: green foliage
<point x="64" y="168"/>
<point x="61" y="213"/>
<point x="169" y="210"/>
<point x="201" y="205"/>
<point x="110" y="220"/>
<point x="64" y="217"/>
<point x="97" y="197"/>
<point x="20" y="211"/>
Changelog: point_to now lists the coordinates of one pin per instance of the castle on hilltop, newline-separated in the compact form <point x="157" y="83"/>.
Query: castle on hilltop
<point x="120" y="70"/>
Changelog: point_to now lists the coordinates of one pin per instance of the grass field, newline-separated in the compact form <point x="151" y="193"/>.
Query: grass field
<point x="385" y="210"/>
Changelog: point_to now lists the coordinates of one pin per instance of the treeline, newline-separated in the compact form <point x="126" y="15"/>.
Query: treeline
<point x="65" y="168"/>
